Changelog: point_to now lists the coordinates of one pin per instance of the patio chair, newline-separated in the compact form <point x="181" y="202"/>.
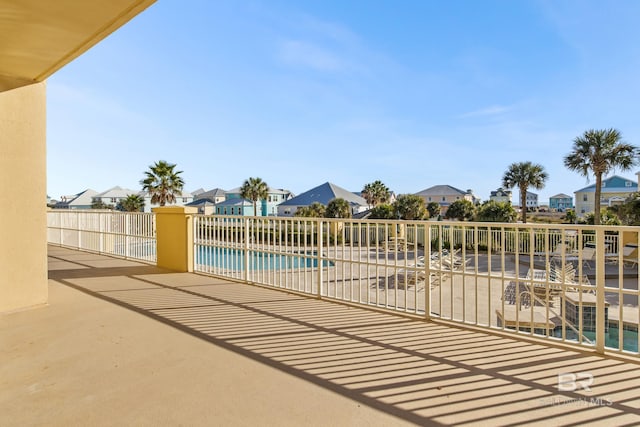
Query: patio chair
<point x="588" y="255"/>
<point x="453" y="261"/>
<point x="629" y="256"/>
<point x="562" y="249"/>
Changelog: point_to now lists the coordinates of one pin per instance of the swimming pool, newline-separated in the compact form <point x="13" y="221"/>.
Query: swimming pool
<point x="234" y="259"/>
<point x="630" y="338"/>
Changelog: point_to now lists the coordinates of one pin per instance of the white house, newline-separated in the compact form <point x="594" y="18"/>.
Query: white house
<point x="113" y="195"/>
<point x="501" y="195"/>
<point x="82" y="200"/>
<point x="532" y="200"/>
<point x="182" y="199"/>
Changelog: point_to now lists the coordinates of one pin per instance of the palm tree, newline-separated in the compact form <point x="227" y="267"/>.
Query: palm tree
<point x="338" y="208"/>
<point x="163" y="183"/>
<point x="376" y="193"/>
<point x="132" y="203"/>
<point x="254" y="189"/>
<point x="524" y="175"/>
<point x="600" y="152"/>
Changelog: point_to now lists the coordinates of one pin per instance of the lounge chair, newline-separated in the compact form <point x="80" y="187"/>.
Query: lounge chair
<point x="551" y="282"/>
<point x="629" y="256"/>
<point x="562" y="250"/>
<point x="588" y="255"/>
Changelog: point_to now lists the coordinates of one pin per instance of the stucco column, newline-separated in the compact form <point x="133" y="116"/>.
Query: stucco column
<point x="23" y="198"/>
<point x="174" y="233"/>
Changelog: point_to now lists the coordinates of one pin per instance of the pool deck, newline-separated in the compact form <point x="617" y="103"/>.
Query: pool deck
<point x="124" y="343"/>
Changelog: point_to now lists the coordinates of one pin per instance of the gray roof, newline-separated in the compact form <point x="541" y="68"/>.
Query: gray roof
<point x="501" y="192"/>
<point x="269" y="189"/>
<point x="116" y="192"/>
<point x="83" y="198"/>
<point x="608" y="189"/>
<point x="441" y="190"/>
<point x="324" y="194"/>
<point x="201" y="202"/>
<point x="235" y="202"/>
<point x="210" y="195"/>
<point x="146" y="194"/>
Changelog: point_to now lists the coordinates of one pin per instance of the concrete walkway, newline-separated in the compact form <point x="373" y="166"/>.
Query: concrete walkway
<point x="123" y="343"/>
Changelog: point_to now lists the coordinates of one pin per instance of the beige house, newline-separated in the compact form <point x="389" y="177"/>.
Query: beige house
<point x="444" y="195"/>
<point x="614" y="191"/>
<point x="39" y="37"/>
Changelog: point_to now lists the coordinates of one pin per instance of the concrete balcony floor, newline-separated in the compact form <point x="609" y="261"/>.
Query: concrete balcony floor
<point x="124" y="343"/>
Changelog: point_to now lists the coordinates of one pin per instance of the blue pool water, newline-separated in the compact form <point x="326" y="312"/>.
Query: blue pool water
<point x="629" y="343"/>
<point x="234" y="259"/>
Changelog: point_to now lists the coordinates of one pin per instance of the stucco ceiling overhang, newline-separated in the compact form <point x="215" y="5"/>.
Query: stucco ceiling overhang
<point x="38" y="37"/>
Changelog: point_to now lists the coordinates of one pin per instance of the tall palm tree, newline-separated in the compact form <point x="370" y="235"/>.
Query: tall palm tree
<point x="163" y="183"/>
<point x="376" y="193"/>
<point x="254" y="189"/>
<point x="600" y="152"/>
<point x="524" y="175"/>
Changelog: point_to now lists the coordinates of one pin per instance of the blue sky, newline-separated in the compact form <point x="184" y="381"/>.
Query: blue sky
<point x="412" y="93"/>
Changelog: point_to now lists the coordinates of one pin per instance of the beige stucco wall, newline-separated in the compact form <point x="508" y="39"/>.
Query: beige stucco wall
<point x="23" y="239"/>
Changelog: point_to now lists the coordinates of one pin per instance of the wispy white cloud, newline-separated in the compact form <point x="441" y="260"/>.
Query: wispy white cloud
<point x="493" y="110"/>
<point x="306" y="54"/>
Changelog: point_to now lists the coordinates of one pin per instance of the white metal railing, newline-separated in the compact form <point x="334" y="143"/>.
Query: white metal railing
<point x="122" y="234"/>
<point x="575" y="284"/>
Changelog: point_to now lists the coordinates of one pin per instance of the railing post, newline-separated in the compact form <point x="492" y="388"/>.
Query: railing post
<point x="600" y="295"/>
<point x="319" y="256"/>
<point x="127" y="236"/>
<point x="427" y="266"/>
<point x="78" y="235"/>
<point x="100" y="233"/>
<point x="174" y="228"/>
<point x="247" y="238"/>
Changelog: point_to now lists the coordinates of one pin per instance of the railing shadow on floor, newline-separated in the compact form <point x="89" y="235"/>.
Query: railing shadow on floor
<point x="424" y="373"/>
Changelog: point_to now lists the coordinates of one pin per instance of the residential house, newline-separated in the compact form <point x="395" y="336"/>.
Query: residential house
<point x="268" y="206"/>
<point x="560" y="202"/>
<point x="217" y="195"/>
<point x="500" y="195"/>
<point x="532" y="200"/>
<point x="112" y="196"/>
<point x="235" y="206"/>
<point x="182" y="199"/>
<point x="444" y="195"/>
<point x="82" y="200"/>
<point x="323" y="194"/>
<point x="614" y="191"/>
<point x="206" y="201"/>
